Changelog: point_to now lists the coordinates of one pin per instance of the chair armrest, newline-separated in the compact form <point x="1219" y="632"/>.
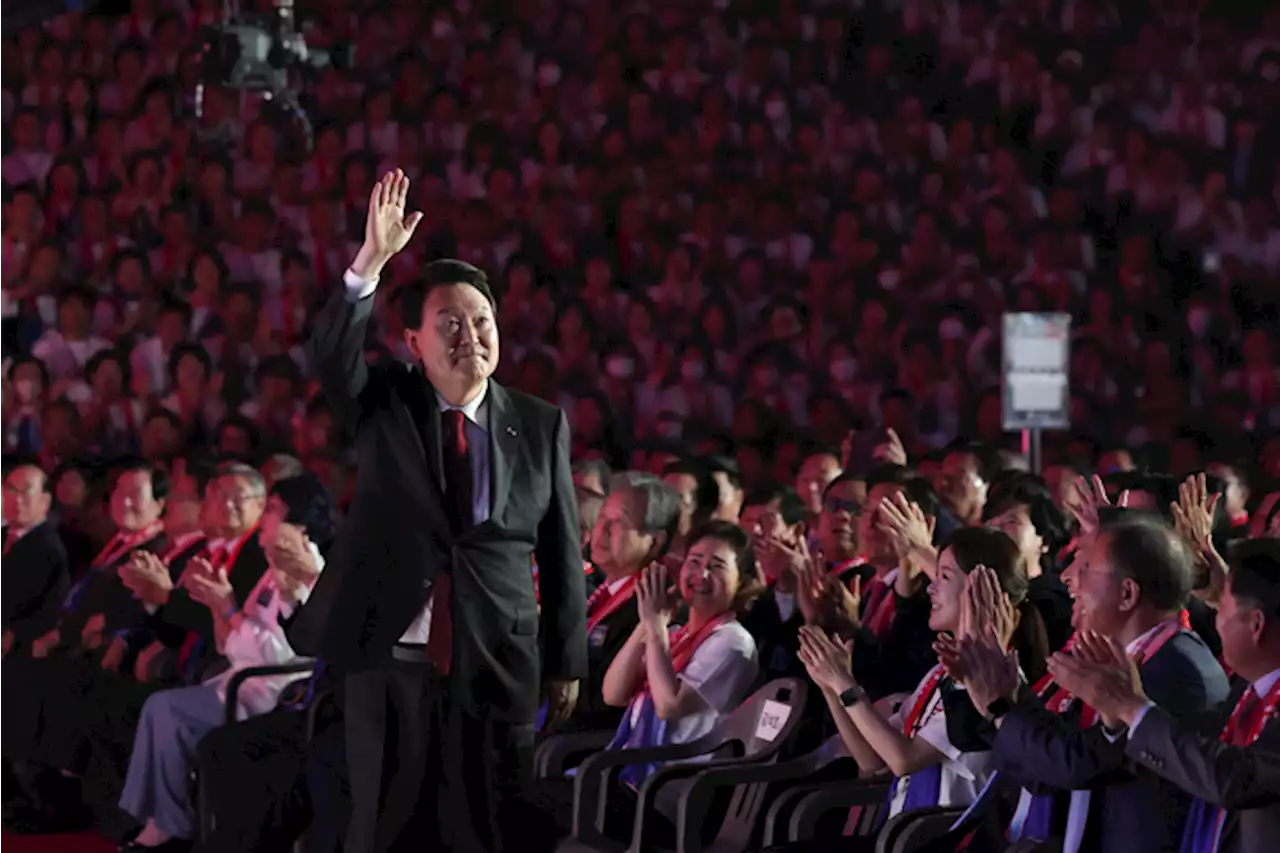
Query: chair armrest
<point x="591" y="782"/>
<point x="552" y="757"/>
<point x="234" y="684"/>
<point x="842" y="795"/>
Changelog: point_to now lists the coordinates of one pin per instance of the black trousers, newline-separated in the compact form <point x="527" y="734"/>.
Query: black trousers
<point x="251" y="777"/>
<point x="427" y="774"/>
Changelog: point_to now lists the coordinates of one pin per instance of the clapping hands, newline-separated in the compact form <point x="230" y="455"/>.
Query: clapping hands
<point x="209" y="586"/>
<point x="147" y="577"/>
<point x="828" y="661"/>
<point x="655" y="599"/>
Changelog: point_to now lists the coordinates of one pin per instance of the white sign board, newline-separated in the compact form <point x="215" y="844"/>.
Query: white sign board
<point x="773" y="717"/>
<point x="1037" y="355"/>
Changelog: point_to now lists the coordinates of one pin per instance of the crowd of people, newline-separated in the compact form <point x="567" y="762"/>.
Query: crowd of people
<point x="758" y="253"/>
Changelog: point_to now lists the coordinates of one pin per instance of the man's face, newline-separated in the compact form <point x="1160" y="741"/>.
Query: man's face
<point x="839" y="524"/>
<point x="816" y="473"/>
<point x="765" y="521"/>
<point x="242" y="501"/>
<point x="182" y="507"/>
<point x="686" y="485"/>
<point x="133" y="503"/>
<point x="26" y="503"/>
<point x="457" y="342"/>
<point x="1240" y="624"/>
<point x="962" y="485"/>
<point x="730" y="506"/>
<point x="616" y="541"/>
<point x="1102" y="598"/>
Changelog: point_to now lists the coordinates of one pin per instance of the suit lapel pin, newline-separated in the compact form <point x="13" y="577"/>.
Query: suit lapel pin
<point x="511" y="431"/>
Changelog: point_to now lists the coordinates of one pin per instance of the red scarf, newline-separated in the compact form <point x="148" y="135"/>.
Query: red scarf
<point x="122" y="543"/>
<point x="602" y="604"/>
<point x="684" y="644"/>
<point x="915" y="720"/>
<point x="1243" y="729"/>
<point x="1058" y="699"/>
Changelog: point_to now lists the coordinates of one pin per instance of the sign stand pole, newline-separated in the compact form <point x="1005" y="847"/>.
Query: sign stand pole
<point x="1031" y="449"/>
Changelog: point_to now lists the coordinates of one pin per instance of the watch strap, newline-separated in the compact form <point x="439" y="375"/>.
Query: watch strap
<point x="851" y="697"/>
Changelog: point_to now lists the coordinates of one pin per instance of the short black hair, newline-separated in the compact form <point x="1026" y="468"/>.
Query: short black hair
<point x="1255" y="574"/>
<point x="446" y="271"/>
<point x="1019" y="488"/>
<point x="159" y="476"/>
<point x="790" y="507"/>
<point x="13" y="461"/>
<point x="309" y="505"/>
<point x="1143" y="547"/>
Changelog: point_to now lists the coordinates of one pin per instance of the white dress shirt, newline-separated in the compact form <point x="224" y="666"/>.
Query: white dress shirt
<point x="477" y="426"/>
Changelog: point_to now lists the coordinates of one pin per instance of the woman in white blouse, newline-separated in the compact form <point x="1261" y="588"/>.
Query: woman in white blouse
<point x="676" y="683"/>
<point x="979" y="586"/>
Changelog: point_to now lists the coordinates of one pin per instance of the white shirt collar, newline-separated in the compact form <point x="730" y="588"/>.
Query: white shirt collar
<point x="475" y="411"/>
<point x="614" y="586"/>
<point x="1265" y="683"/>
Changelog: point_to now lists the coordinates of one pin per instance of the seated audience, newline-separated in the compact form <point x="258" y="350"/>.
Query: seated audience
<point x="979" y="587"/>
<point x="298" y="520"/>
<point x="1231" y="767"/>
<point x="1129" y="582"/>
<point x="675" y="683"/>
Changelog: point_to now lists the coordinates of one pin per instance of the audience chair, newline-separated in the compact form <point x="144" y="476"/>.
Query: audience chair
<point x="754" y="733"/>
<point x="912" y="831"/>
<point x="204" y="813"/>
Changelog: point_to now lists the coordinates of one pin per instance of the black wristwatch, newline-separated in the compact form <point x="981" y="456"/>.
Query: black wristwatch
<point x="998" y="708"/>
<point x="851" y="697"/>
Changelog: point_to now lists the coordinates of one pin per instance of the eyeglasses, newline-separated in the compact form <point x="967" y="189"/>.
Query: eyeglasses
<point x="841" y="505"/>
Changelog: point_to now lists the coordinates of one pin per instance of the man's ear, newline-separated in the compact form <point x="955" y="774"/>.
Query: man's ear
<point x="411" y="341"/>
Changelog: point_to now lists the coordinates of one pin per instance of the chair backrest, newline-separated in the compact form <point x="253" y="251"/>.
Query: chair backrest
<point x="768" y="718"/>
<point x="901" y="826"/>
<point x="750" y="799"/>
<point x="928" y="826"/>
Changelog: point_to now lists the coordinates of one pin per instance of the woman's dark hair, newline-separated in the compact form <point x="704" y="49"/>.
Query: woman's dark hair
<point x="982" y="546"/>
<point x="1029" y="490"/>
<point x="750" y="584"/>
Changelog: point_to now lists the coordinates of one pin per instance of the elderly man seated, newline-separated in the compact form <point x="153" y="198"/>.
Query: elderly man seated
<point x="298" y="522"/>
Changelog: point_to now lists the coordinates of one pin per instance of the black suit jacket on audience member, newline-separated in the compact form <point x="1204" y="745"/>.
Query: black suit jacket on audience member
<point x="36" y="579"/>
<point x="107" y="595"/>
<point x="603" y="645"/>
<point x="1130" y="809"/>
<point x="1243" y="780"/>
<point x="397" y="538"/>
<point x="1053" y="601"/>
<point x="185" y="613"/>
<point x="898" y="661"/>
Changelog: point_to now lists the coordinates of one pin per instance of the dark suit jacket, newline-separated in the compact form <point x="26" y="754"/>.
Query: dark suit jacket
<point x="184" y="612"/>
<point x="397" y="538"/>
<point x="603" y="645"/>
<point x="1243" y="780"/>
<point x="898" y="661"/>
<point x="36" y="578"/>
<point x="105" y="594"/>
<point x="1130" y="809"/>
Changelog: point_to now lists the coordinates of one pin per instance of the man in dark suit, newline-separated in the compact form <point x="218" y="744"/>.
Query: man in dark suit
<point x="636" y="525"/>
<point x="80" y="649"/>
<point x="1129" y="583"/>
<point x="1233" y="767"/>
<point x="37" y="575"/>
<point x="428" y="602"/>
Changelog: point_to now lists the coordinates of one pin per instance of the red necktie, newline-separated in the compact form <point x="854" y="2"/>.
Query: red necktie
<point x="457" y="485"/>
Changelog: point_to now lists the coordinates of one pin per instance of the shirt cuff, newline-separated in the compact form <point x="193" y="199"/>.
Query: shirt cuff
<point x="359" y="288"/>
<point x="1142" y="715"/>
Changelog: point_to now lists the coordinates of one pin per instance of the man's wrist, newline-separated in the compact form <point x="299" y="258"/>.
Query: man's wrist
<point x="369" y="263"/>
<point x="1132" y="710"/>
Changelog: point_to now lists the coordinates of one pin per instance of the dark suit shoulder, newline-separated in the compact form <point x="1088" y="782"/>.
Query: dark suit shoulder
<point x="531" y="407"/>
<point x="1184" y="677"/>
